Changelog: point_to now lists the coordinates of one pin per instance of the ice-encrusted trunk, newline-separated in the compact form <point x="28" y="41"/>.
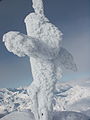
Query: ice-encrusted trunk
<point x="42" y="88"/>
<point x="43" y="69"/>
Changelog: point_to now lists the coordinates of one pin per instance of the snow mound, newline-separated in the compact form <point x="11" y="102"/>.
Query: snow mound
<point x="69" y="115"/>
<point x="19" y="116"/>
<point x="57" y="116"/>
<point x="71" y="96"/>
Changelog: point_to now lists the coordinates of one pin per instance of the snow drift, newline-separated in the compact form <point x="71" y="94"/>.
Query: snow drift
<point x="57" y="116"/>
<point x="71" y="96"/>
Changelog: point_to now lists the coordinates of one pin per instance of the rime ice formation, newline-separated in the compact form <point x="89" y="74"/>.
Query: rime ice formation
<point x="43" y="45"/>
<point x="38" y="6"/>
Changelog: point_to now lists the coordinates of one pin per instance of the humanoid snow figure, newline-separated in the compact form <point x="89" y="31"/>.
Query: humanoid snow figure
<point x="43" y="45"/>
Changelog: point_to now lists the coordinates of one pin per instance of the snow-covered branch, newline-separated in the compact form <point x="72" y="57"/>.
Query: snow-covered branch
<point x="22" y="45"/>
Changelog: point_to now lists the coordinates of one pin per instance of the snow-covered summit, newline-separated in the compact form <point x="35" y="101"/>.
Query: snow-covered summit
<point x="71" y="96"/>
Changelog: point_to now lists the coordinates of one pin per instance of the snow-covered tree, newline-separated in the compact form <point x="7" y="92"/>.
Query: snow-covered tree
<point x="43" y="45"/>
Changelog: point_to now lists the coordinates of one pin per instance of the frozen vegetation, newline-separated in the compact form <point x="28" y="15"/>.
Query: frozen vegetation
<point x="71" y="102"/>
<point x="43" y="45"/>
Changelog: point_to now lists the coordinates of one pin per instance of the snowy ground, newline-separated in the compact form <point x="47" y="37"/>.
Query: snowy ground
<point x="57" y="116"/>
<point x="72" y="102"/>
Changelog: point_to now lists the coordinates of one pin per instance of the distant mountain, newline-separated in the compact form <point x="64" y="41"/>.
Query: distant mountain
<point x="69" y="96"/>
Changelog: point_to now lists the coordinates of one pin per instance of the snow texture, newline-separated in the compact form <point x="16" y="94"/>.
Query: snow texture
<point x="68" y="97"/>
<point x="38" y="6"/>
<point x="43" y="45"/>
<point x="57" y="116"/>
<point x="19" y="116"/>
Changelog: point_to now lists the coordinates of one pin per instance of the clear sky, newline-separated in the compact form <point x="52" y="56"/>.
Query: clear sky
<point x="72" y="17"/>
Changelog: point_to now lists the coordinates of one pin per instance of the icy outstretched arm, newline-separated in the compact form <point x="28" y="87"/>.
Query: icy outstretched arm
<point x="19" y="43"/>
<point x="22" y="45"/>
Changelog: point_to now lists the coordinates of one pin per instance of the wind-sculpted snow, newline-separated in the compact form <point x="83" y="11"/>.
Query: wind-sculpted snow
<point x="65" y="59"/>
<point x="19" y="116"/>
<point x="68" y="95"/>
<point x="67" y="98"/>
<point x="57" y="116"/>
<point x="38" y="6"/>
<point x="42" y="45"/>
<point x="22" y="45"/>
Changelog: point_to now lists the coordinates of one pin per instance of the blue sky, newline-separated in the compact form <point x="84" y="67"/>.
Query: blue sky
<point x="72" y="17"/>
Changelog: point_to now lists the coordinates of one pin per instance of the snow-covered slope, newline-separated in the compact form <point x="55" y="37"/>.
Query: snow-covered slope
<point x="57" y="116"/>
<point x="71" y="96"/>
<point x="19" y="116"/>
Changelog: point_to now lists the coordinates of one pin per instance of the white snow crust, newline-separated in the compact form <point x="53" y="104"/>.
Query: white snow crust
<point x="71" y="101"/>
<point x="42" y="45"/>
<point x="57" y="116"/>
